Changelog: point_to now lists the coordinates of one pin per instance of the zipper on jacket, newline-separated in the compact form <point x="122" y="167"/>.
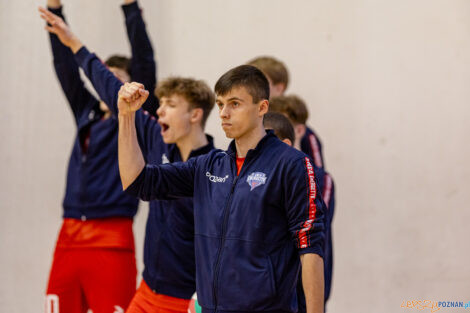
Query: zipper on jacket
<point x="247" y="162"/>
<point x="222" y="242"/>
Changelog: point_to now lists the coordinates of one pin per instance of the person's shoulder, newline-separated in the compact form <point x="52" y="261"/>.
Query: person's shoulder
<point x="280" y="155"/>
<point x="212" y="155"/>
<point x="284" y="151"/>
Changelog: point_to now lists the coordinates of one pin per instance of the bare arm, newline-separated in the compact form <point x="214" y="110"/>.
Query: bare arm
<point x="54" y="4"/>
<point x="131" y="160"/>
<point x="129" y="1"/>
<point x="313" y="282"/>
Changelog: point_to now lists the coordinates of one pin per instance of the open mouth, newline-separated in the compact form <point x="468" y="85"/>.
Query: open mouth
<point x="164" y="127"/>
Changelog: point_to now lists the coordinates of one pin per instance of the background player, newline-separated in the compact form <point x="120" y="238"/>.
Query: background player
<point x="245" y="258"/>
<point x="96" y="239"/>
<point x="169" y="275"/>
<point x="294" y="110"/>
<point x="278" y="77"/>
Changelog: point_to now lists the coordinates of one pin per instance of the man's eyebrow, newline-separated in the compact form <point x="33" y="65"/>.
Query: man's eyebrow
<point x="235" y="98"/>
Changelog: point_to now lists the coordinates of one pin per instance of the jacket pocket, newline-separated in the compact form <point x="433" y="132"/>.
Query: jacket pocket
<point x="246" y="278"/>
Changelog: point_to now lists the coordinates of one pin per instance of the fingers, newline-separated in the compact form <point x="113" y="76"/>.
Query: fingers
<point x="50" y="29"/>
<point x="139" y="85"/>
<point x="132" y="91"/>
<point x="129" y="92"/>
<point x="143" y="92"/>
<point x="48" y="16"/>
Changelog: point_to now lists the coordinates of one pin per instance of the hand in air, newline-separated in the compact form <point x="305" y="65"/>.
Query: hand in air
<point x="131" y="96"/>
<point x="59" y="27"/>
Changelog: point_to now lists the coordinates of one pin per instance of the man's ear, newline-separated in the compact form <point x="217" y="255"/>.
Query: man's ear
<point x="287" y="141"/>
<point x="196" y="115"/>
<point x="263" y="107"/>
<point x="300" y="130"/>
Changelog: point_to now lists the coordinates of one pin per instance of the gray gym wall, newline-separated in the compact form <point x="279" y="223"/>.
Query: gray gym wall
<point x="387" y="84"/>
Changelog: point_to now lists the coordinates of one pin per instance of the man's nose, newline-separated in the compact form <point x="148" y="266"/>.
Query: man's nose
<point x="224" y="112"/>
<point x="160" y="111"/>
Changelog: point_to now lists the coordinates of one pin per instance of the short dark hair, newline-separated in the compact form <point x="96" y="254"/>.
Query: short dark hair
<point x="292" y="106"/>
<point x="273" y="68"/>
<point x="196" y="92"/>
<point x="246" y="76"/>
<point x="280" y="124"/>
<point x="119" y="61"/>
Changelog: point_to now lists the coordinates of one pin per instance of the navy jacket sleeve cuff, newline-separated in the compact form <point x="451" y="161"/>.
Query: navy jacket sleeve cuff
<point x="133" y="189"/>
<point x="81" y="55"/>
<point x="314" y="250"/>
<point x="56" y="11"/>
<point x="130" y="8"/>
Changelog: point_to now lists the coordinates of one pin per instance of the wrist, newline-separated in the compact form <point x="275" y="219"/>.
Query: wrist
<point x="75" y="44"/>
<point x="54" y="4"/>
<point x="126" y="115"/>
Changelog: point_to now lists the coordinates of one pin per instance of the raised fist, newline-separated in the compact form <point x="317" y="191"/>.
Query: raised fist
<point x="131" y="96"/>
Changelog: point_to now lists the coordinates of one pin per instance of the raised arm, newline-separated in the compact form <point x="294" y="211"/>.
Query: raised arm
<point x="305" y="212"/>
<point x="143" y="66"/>
<point x="64" y="43"/>
<point x="131" y="160"/>
<point x="146" y="182"/>
<point x="106" y="84"/>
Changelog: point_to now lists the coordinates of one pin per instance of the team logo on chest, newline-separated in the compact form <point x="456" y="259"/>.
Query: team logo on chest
<point x="256" y="179"/>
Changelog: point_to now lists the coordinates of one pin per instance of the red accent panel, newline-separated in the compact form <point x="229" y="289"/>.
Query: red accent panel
<point x="312" y="207"/>
<point x="327" y="190"/>
<point x="315" y="150"/>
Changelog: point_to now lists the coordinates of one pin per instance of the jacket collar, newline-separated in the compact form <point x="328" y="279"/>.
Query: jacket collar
<point x="268" y="138"/>
<point x="175" y="155"/>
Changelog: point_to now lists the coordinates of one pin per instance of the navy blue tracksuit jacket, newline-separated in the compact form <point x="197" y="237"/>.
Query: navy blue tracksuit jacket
<point x="169" y="258"/>
<point x="249" y="229"/>
<point x="94" y="187"/>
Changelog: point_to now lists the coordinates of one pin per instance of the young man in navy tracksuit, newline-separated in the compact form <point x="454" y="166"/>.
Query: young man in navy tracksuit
<point x="256" y="206"/>
<point x="169" y="274"/>
<point x="296" y="111"/>
<point x="96" y="239"/>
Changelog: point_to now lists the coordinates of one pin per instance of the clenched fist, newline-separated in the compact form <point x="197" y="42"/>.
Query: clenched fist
<point x="131" y="96"/>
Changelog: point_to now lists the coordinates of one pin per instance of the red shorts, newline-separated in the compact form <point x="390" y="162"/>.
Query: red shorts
<point x="92" y="273"/>
<point x="147" y="301"/>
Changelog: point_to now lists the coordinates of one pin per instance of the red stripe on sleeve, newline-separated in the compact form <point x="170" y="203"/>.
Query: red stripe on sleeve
<point x="327" y="190"/>
<point x="312" y="207"/>
<point x="315" y="150"/>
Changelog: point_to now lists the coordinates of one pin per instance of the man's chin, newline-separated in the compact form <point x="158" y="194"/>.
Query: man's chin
<point x="229" y="134"/>
<point x="168" y="141"/>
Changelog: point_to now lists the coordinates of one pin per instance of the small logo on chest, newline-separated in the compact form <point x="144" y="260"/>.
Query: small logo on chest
<point x="165" y="159"/>
<point x="256" y="179"/>
<point x="216" y="179"/>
